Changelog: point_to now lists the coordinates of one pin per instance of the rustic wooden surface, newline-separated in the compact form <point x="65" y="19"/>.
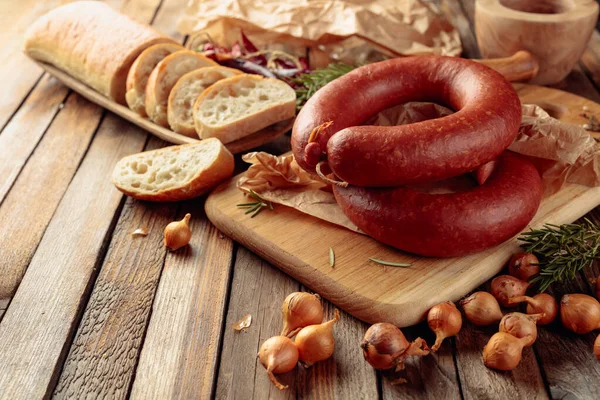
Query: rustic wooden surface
<point x="87" y="311"/>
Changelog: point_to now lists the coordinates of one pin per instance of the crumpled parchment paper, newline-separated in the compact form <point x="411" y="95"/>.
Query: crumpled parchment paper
<point x="353" y="31"/>
<point x="562" y="152"/>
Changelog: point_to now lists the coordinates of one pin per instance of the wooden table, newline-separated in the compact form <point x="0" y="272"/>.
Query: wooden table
<point x="88" y="311"/>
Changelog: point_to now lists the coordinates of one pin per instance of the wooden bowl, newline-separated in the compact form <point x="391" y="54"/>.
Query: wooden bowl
<point x="556" y="32"/>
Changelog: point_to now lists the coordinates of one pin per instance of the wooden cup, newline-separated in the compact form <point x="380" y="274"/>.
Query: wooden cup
<point x="556" y="32"/>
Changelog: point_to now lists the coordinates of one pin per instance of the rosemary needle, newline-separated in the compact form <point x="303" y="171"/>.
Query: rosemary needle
<point x="255" y="207"/>
<point x="331" y="257"/>
<point x="389" y="263"/>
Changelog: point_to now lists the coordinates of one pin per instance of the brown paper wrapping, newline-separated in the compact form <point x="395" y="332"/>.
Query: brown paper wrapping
<point x="353" y="31"/>
<point x="562" y="152"/>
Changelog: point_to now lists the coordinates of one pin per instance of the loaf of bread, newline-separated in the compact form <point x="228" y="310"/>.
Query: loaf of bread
<point x="185" y="93"/>
<point x="238" y="106"/>
<point x="137" y="79"/>
<point x="174" y="173"/>
<point x="163" y="78"/>
<point x="91" y="42"/>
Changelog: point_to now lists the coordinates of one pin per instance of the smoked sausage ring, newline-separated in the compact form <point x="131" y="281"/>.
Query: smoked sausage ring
<point x="486" y="121"/>
<point x="448" y="224"/>
<point x="374" y="160"/>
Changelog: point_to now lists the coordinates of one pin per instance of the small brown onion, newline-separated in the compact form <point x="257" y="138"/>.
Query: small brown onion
<point x="597" y="347"/>
<point x="580" y="312"/>
<point x="504" y="351"/>
<point x="481" y="308"/>
<point x="445" y="320"/>
<point x="598" y="288"/>
<point x="540" y="303"/>
<point x="504" y="287"/>
<point x="178" y="234"/>
<point x="521" y="266"/>
<point x="300" y="309"/>
<point x="278" y="355"/>
<point x="385" y="347"/>
<point x="315" y="342"/>
<point x="521" y="325"/>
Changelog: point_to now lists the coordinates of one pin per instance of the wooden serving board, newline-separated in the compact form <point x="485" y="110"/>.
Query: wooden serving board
<point x="299" y="244"/>
<point x="249" y="142"/>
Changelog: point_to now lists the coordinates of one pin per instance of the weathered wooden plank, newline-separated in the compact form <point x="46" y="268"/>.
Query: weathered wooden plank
<point x="181" y="348"/>
<point x="346" y="375"/>
<point x="431" y="377"/>
<point x="31" y="203"/>
<point x="42" y="317"/>
<point x="257" y="289"/>
<point x="101" y="361"/>
<point x="19" y="74"/>
<point x="24" y="131"/>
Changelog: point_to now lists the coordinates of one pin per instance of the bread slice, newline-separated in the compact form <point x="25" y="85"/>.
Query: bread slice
<point x="91" y="42"/>
<point x="174" y="173"/>
<point x="163" y="78"/>
<point x="235" y="107"/>
<point x="140" y="70"/>
<point x="185" y="92"/>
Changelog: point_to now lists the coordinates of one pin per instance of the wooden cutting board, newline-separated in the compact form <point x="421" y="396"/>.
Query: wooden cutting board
<point x="299" y="244"/>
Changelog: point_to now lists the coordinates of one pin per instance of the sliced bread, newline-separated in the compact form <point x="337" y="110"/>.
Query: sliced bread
<point x="92" y="42"/>
<point x="235" y="107"/>
<point x="185" y="92"/>
<point x="174" y="173"/>
<point x="164" y="76"/>
<point x="140" y="72"/>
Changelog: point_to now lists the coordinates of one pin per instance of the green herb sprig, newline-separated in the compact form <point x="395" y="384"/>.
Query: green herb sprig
<point x="307" y="84"/>
<point x="255" y="207"/>
<point x="562" y="250"/>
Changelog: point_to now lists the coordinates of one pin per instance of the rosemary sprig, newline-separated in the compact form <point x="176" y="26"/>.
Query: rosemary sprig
<point x="307" y="84"/>
<point x="255" y="207"/>
<point x="563" y="250"/>
<point x="389" y="263"/>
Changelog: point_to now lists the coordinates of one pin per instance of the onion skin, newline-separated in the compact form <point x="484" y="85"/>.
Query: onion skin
<point x="503" y="351"/>
<point x="580" y="313"/>
<point x="542" y="303"/>
<point x="504" y="287"/>
<point x="520" y="266"/>
<point x="385" y="347"/>
<point x="300" y="309"/>
<point x="445" y="320"/>
<point x="481" y="309"/>
<point x="278" y="355"/>
<point x="597" y="347"/>
<point x="315" y="342"/>
<point x="521" y="325"/>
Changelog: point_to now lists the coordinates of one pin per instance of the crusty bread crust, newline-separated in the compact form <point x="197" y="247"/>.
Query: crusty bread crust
<point x="163" y="78"/>
<point x="91" y="42"/>
<point x="205" y="178"/>
<point x="186" y="91"/>
<point x="229" y="131"/>
<point x="140" y="70"/>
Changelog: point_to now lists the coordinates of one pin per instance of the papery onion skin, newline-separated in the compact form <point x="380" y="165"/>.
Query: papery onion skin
<point x="503" y="351"/>
<point x="300" y="309"/>
<point x="538" y="304"/>
<point x="580" y="313"/>
<point x="278" y="355"/>
<point x="315" y="342"/>
<point x="521" y="325"/>
<point x="504" y="287"/>
<point x="520" y="266"/>
<point x="481" y="309"/>
<point x="444" y="320"/>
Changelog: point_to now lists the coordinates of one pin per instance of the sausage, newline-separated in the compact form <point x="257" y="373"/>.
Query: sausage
<point x="486" y="121"/>
<point x="449" y="224"/>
